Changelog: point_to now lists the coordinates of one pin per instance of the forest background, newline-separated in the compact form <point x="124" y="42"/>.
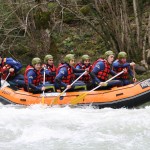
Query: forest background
<point x="34" y="28"/>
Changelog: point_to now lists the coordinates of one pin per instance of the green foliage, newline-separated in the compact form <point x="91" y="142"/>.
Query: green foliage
<point x="145" y="75"/>
<point x="52" y="7"/>
<point x="85" y="2"/>
<point x="68" y="43"/>
<point x="85" y="10"/>
<point x="42" y="19"/>
<point x="74" y="35"/>
<point x="68" y="17"/>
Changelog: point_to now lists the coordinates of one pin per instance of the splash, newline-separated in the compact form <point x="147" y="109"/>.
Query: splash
<point x="40" y="127"/>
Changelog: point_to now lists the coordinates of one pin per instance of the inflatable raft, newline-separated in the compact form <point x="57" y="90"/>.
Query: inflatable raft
<point x="127" y="96"/>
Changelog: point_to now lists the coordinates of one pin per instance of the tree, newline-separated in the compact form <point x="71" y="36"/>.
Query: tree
<point x="118" y="22"/>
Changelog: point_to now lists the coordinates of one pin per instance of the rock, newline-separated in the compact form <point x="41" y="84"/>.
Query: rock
<point x="140" y="69"/>
<point x="144" y="63"/>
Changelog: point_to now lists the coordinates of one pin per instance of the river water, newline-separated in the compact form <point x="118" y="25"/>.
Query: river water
<point x="43" y="128"/>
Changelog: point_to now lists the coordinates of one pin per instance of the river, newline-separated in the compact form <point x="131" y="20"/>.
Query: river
<point x="40" y="127"/>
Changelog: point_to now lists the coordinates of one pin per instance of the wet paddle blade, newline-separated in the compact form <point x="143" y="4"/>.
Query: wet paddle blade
<point x="78" y="99"/>
<point x="55" y="100"/>
<point x="42" y="99"/>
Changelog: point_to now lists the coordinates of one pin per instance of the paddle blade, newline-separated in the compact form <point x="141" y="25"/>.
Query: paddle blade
<point x="55" y="100"/>
<point x="78" y="99"/>
<point x="61" y="97"/>
<point x="42" y="99"/>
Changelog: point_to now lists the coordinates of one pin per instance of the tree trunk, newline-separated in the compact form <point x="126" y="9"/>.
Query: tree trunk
<point x="137" y="21"/>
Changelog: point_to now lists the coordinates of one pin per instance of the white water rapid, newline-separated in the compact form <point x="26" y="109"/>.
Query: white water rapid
<point x="43" y="128"/>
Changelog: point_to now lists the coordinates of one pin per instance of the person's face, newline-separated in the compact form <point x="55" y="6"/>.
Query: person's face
<point x="123" y="60"/>
<point x="50" y="61"/>
<point x="72" y="62"/>
<point x="110" y="59"/>
<point x="37" y="66"/>
<point x="86" y="62"/>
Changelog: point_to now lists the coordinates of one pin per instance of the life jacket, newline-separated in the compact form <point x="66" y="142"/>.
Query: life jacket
<point x="4" y="70"/>
<point x="85" y="78"/>
<point x="124" y="75"/>
<point x="103" y="74"/>
<point x="70" y="76"/>
<point x="38" y="78"/>
<point x="51" y="69"/>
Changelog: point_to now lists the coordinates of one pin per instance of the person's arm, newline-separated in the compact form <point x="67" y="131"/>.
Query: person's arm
<point x="31" y="76"/>
<point x="130" y="72"/>
<point x="78" y="67"/>
<point x="98" y="67"/>
<point x="52" y="74"/>
<point x="77" y="70"/>
<point x="62" y="73"/>
<point x="93" y="76"/>
<point x="113" y="73"/>
<point x="14" y="64"/>
<point x="116" y="65"/>
<point x="78" y="74"/>
<point x="48" y="72"/>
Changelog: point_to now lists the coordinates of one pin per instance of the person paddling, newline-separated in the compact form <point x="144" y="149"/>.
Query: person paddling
<point x="84" y="64"/>
<point x="65" y="74"/>
<point x="33" y="76"/>
<point x="102" y="69"/>
<point x="120" y="64"/>
<point x="50" y="69"/>
<point x="10" y="68"/>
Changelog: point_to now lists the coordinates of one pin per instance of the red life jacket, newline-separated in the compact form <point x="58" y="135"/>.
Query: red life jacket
<point x="38" y="78"/>
<point x="103" y="75"/>
<point x="124" y="75"/>
<point x="85" y="78"/>
<point x="51" y="69"/>
<point x="70" y="76"/>
<point x="4" y="70"/>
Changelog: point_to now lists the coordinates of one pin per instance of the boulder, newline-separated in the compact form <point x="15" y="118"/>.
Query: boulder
<point x="140" y="69"/>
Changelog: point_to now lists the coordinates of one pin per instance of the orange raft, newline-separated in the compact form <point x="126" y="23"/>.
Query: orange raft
<point x="127" y="96"/>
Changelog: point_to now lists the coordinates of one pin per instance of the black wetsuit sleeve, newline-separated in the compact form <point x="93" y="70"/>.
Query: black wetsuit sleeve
<point x="78" y="70"/>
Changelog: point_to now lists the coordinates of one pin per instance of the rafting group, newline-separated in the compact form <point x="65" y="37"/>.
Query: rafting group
<point x="40" y="77"/>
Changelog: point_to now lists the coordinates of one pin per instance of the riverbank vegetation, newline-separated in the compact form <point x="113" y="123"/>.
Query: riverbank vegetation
<point x="38" y="27"/>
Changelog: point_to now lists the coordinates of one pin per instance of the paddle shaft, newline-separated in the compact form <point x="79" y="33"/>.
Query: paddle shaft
<point x="80" y="97"/>
<point x="5" y="80"/>
<point x="133" y="72"/>
<point x="74" y="82"/>
<point x="44" y="77"/>
<point x="43" y="85"/>
<point x="107" y="81"/>
<point x="56" y="99"/>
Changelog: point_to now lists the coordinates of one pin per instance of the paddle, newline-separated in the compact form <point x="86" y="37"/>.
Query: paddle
<point x="5" y="80"/>
<point x="43" y="85"/>
<point x="134" y="78"/>
<point x="60" y="95"/>
<point x="0" y="79"/>
<point x="81" y="97"/>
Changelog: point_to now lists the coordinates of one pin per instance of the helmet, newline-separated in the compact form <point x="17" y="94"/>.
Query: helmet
<point x="68" y="57"/>
<point x="122" y="55"/>
<point x="36" y="61"/>
<point x="85" y="57"/>
<point x="108" y="53"/>
<point x="47" y="57"/>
